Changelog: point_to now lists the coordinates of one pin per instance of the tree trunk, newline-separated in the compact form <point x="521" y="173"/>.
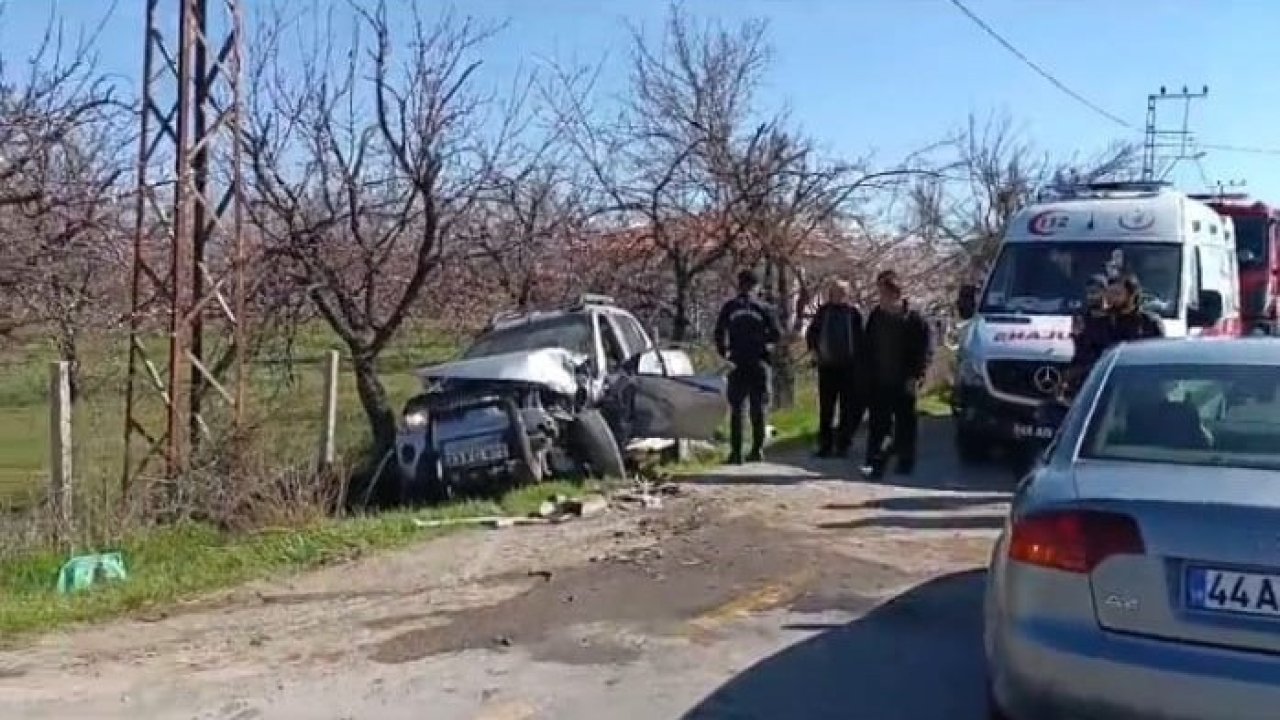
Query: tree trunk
<point x="680" y="308"/>
<point x="377" y="407"/>
<point x="784" y="385"/>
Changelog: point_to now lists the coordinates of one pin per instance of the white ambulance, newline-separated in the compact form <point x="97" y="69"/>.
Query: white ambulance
<point x="1017" y="342"/>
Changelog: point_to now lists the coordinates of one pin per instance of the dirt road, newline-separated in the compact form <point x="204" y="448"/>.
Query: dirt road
<point x="773" y="591"/>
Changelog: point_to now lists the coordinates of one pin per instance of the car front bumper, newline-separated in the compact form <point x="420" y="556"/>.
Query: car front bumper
<point x="984" y="415"/>
<point x="1052" y="672"/>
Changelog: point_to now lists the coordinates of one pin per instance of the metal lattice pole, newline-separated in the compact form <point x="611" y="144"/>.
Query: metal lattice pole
<point x="188" y="251"/>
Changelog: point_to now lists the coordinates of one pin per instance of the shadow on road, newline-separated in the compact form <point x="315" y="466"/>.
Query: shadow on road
<point x="781" y="472"/>
<point x="937" y="467"/>
<point x="920" y="522"/>
<point x="922" y="503"/>
<point x="916" y="657"/>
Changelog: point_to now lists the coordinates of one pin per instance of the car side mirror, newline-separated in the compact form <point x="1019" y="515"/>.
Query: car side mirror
<point x="649" y="362"/>
<point x="967" y="301"/>
<point x="1208" y="310"/>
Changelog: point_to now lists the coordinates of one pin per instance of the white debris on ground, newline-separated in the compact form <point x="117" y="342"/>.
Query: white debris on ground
<point x="643" y="494"/>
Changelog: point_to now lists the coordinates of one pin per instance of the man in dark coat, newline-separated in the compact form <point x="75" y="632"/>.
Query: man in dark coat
<point x="1089" y="332"/>
<point x="897" y="348"/>
<point x="1119" y="319"/>
<point x="834" y="338"/>
<point x="746" y="332"/>
<point x="1129" y="321"/>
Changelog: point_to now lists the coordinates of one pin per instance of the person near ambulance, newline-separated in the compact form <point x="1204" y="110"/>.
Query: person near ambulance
<point x="1119" y="319"/>
<point x="897" y="351"/>
<point x="1128" y="321"/>
<point x="835" y="338"/>
<point x="1089" y="331"/>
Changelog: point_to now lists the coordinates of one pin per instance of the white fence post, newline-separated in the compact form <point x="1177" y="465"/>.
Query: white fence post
<point x="60" y="442"/>
<point x="328" y="434"/>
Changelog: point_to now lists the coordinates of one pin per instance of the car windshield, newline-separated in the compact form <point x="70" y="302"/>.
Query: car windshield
<point x="571" y="332"/>
<point x="1211" y="415"/>
<point x="1251" y="240"/>
<point x="1049" y="278"/>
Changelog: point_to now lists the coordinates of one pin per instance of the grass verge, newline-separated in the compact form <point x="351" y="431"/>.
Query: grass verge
<point x="177" y="563"/>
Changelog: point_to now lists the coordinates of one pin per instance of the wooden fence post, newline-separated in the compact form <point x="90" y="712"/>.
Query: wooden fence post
<point x="60" y="443"/>
<point x="328" y="433"/>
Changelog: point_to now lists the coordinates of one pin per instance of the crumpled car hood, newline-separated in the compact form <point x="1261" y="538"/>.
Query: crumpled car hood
<point x="552" y="368"/>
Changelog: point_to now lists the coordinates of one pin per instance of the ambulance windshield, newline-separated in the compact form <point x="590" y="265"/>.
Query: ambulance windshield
<point x="1049" y="278"/>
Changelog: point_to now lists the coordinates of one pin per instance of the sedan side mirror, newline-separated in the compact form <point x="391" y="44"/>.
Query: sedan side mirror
<point x="967" y="301"/>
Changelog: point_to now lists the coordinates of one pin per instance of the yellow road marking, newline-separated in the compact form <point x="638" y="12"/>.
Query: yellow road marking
<point x="508" y="711"/>
<point x="764" y="598"/>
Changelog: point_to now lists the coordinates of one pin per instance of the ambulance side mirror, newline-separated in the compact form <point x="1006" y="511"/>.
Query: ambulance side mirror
<point x="1208" y="310"/>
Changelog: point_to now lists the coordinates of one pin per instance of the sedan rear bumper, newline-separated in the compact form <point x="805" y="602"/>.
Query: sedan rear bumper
<point x="1047" y="672"/>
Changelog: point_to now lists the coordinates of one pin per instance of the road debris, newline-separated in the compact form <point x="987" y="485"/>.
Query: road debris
<point x="559" y="508"/>
<point x="494" y="521"/>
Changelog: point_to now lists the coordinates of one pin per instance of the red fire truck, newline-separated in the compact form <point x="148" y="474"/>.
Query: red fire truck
<point x="1258" y="247"/>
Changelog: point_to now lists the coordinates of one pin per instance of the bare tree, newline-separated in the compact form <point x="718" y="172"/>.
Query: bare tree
<point x="67" y="250"/>
<point x="994" y="174"/>
<point x="358" y="206"/>
<point x="661" y="165"/>
<point x="61" y="90"/>
<point x="61" y="208"/>
<point x="520" y="238"/>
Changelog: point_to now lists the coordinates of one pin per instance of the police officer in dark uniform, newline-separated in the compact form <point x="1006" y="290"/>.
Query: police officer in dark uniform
<point x="746" y="332"/>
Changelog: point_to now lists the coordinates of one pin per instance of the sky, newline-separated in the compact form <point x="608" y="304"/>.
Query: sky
<point x="887" y="77"/>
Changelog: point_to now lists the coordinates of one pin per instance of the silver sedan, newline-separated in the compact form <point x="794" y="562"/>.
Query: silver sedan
<point x="1138" y="574"/>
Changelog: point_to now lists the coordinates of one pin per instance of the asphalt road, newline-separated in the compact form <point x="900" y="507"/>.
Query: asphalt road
<point x="786" y="590"/>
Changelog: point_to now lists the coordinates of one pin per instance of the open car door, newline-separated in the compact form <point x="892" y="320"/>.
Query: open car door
<point x="658" y="396"/>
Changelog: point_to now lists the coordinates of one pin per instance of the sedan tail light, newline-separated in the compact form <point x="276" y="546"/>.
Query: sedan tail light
<point x="1074" y="540"/>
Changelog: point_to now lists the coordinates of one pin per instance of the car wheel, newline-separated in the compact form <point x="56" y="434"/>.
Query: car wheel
<point x="426" y="486"/>
<point x="971" y="447"/>
<point x="592" y="444"/>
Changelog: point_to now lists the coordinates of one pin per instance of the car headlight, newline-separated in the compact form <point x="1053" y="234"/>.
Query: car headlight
<point x="415" y="420"/>
<point x="968" y="373"/>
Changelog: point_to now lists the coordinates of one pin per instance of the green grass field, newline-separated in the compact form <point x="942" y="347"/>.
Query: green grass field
<point x="287" y="415"/>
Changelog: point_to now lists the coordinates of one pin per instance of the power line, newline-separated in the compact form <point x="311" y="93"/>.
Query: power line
<point x="1042" y="72"/>
<point x="1038" y="69"/>
<point x="1240" y="149"/>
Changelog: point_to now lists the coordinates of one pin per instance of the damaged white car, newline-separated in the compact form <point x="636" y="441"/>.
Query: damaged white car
<point x="561" y="394"/>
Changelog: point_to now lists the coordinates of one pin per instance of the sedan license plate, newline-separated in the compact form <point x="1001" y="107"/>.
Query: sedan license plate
<point x="1235" y="592"/>
<point x="475" y="454"/>
<point x="1038" y="432"/>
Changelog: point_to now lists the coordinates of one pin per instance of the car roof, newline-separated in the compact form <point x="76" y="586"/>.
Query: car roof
<point x="1200" y="351"/>
<point x="514" y="320"/>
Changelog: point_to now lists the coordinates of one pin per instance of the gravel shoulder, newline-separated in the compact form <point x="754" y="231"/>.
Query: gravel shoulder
<point x="738" y="590"/>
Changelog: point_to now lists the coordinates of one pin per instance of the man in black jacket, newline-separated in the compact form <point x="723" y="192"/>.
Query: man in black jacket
<point x="1089" y="332"/>
<point x="897" y="355"/>
<point x="834" y="338"/>
<point x="1128" y="320"/>
<point x="746" y="331"/>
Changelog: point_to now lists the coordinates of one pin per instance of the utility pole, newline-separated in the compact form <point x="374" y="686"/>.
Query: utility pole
<point x="1181" y="140"/>
<point x="188" y="246"/>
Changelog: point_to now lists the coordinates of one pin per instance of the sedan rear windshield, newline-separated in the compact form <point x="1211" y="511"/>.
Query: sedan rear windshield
<point x="1211" y="415"/>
